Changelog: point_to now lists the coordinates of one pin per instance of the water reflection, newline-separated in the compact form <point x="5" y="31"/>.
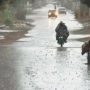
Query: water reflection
<point x="44" y="69"/>
<point x="61" y="49"/>
<point x="51" y="22"/>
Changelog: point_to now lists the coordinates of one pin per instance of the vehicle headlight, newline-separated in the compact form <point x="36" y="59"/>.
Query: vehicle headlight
<point x="56" y="13"/>
<point x="49" y="13"/>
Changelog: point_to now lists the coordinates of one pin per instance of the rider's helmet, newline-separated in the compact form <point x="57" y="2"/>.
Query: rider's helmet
<point x="61" y="23"/>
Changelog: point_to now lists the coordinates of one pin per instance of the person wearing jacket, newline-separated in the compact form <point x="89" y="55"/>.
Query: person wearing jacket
<point x="61" y="30"/>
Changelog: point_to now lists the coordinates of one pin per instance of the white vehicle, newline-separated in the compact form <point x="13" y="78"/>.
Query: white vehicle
<point x="61" y="10"/>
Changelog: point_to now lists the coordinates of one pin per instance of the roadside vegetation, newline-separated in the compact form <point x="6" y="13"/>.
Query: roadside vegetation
<point x="12" y="12"/>
<point x="87" y="2"/>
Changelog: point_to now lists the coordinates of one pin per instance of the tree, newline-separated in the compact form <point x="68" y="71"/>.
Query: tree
<point x="87" y="2"/>
<point x="20" y="9"/>
<point x="4" y="2"/>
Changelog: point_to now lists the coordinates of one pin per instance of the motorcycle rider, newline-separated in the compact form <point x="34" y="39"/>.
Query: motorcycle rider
<point x="61" y="30"/>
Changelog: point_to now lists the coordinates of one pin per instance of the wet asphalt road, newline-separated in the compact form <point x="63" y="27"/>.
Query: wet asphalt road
<point x="25" y="68"/>
<point x="37" y="62"/>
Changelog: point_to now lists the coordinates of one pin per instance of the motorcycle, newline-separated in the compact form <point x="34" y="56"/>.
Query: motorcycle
<point x="61" y="40"/>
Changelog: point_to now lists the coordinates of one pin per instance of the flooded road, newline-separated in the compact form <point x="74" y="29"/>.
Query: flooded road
<point x="37" y="62"/>
<point x="43" y="34"/>
<point x="42" y="68"/>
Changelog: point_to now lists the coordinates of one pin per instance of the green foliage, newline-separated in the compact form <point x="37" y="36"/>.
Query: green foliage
<point x="20" y="14"/>
<point x="18" y="10"/>
<point x="1" y="1"/>
<point x="87" y="2"/>
<point x="8" y="17"/>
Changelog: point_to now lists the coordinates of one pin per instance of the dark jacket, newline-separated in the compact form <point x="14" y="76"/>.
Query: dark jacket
<point x="61" y="29"/>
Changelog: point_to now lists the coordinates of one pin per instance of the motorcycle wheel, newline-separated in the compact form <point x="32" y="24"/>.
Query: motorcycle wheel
<point x="61" y="44"/>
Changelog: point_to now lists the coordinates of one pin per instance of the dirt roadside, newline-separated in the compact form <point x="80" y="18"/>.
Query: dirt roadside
<point x="16" y="32"/>
<point x="84" y="31"/>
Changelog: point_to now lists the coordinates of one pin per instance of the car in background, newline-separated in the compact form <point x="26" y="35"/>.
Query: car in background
<point x="61" y="10"/>
<point x="52" y="13"/>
